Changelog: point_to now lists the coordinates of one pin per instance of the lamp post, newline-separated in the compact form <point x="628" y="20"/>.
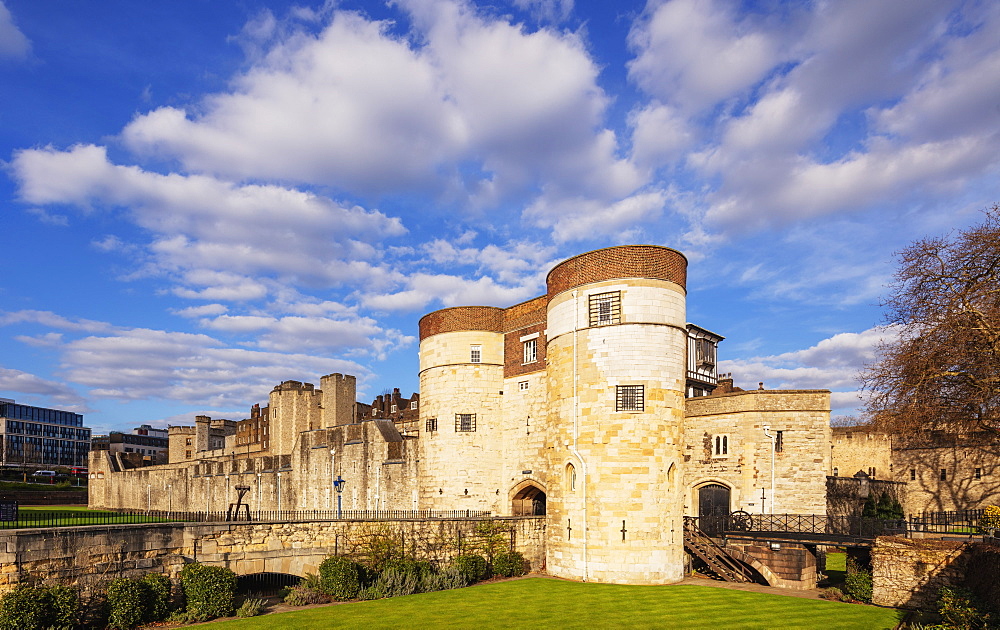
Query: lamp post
<point x="338" y="483"/>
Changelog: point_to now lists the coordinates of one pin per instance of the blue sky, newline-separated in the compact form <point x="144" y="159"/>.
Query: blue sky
<point x="201" y="199"/>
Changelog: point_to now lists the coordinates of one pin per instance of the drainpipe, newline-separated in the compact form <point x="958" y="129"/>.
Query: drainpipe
<point x="576" y="430"/>
<point x="767" y="428"/>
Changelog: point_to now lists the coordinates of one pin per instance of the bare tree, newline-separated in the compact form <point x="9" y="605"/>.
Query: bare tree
<point x="941" y="374"/>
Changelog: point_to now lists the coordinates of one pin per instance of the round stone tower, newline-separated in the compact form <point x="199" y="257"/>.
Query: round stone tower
<point x="461" y="384"/>
<point x="616" y="349"/>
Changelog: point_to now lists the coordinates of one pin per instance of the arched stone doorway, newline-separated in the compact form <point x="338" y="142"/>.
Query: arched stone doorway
<point x="529" y="501"/>
<point x="713" y="508"/>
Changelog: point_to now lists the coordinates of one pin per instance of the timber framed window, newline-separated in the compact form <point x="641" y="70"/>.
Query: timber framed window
<point x="605" y="308"/>
<point x="431" y="425"/>
<point x="531" y="351"/>
<point x="475" y="354"/>
<point x="523" y="386"/>
<point x="630" y="398"/>
<point x="465" y="422"/>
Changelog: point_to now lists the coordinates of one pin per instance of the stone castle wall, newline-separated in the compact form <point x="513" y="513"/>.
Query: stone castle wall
<point x="800" y="469"/>
<point x="89" y="557"/>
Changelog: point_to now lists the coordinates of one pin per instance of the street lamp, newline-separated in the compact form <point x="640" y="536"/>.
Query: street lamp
<point x="338" y="483"/>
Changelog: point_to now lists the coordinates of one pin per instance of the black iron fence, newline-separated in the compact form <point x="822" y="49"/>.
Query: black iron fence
<point x="29" y="518"/>
<point x="963" y="523"/>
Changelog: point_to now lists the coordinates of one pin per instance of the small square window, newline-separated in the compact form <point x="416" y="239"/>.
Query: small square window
<point x="392" y="409"/>
<point x="413" y="404"/>
<point x="630" y="398"/>
<point x="522" y="385"/>
<point x="531" y="351"/>
<point x="476" y="354"/>
<point x="605" y="308"/>
<point x="431" y="424"/>
<point x="465" y="422"/>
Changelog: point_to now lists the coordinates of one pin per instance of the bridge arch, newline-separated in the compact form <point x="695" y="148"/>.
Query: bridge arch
<point x="766" y="574"/>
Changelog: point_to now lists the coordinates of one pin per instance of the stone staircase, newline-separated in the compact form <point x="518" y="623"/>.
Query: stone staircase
<point x="699" y="545"/>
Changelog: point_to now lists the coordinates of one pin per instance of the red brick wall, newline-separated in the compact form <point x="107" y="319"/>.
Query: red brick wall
<point x="628" y="261"/>
<point x="488" y="318"/>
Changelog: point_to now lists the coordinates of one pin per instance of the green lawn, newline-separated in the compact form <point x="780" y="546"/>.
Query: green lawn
<point x="69" y="515"/>
<point x="544" y="603"/>
<point x="836" y="567"/>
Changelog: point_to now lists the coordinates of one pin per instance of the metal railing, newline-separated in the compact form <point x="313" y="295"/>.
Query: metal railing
<point x="71" y="518"/>
<point x="964" y="523"/>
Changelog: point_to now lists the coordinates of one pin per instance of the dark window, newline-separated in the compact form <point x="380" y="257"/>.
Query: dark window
<point x="630" y="398"/>
<point x="979" y="473"/>
<point x="606" y="308"/>
<point x="913" y="474"/>
<point x="431" y="424"/>
<point x="779" y="442"/>
<point x="465" y="422"/>
<point x="944" y="474"/>
<point x="835" y="471"/>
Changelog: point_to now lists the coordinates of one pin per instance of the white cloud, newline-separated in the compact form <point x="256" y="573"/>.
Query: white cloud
<point x="482" y="107"/>
<point x="693" y="53"/>
<point x="185" y="368"/>
<point x="51" y="320"/>
<point x="423" y="288"/>
<point x="13" y="43"/>
<point x="14" y="382"/>
<point x="833" y="363"/>
<point x="202" y="311"/>
<point x="580" y="218"/>
<point x="820" y="139"/>
<point x="205" y="227"/>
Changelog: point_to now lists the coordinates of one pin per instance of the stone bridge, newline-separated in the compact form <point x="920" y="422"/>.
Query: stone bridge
<point x="89" y="556"/>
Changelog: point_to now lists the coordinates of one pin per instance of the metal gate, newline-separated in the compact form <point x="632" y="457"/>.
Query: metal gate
<point x="713" y="508"/>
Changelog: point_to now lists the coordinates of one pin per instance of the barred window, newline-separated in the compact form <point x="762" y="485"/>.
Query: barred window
<point x="465" y="422"/>
<point x="531" y="351"/>
<point x="431" y="424"/>
<point x="476" y="354"/>
<point x="630" y="398"/>
<point x="606" y="308"/>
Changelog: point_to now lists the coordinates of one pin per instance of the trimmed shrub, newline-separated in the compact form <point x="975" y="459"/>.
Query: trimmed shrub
<point x="27" y="608"/>
<point x="127" y="599"/>
<point x="340" y="578"/>
<point x="858" y="586"/>
<point x="39" y="607"/>
<point x="158" y="594"/>
<point x="960" y="610"/>
<point x="250" y="608"/>
<point x="472" y="566"/>
<point x="508" y="564"/>
<point x="64" y="602"/>
<point x="990" y="519"/>
<point x="208" y="590"/>
<point x="394" y="582"/>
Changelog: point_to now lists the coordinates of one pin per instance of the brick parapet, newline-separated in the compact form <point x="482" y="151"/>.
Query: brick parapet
<point x="485" y="318"/>
<point x="627" y="261"/>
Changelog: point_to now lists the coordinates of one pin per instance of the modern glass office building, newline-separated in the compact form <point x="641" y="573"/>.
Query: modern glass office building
<point x="40" y="436"/>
